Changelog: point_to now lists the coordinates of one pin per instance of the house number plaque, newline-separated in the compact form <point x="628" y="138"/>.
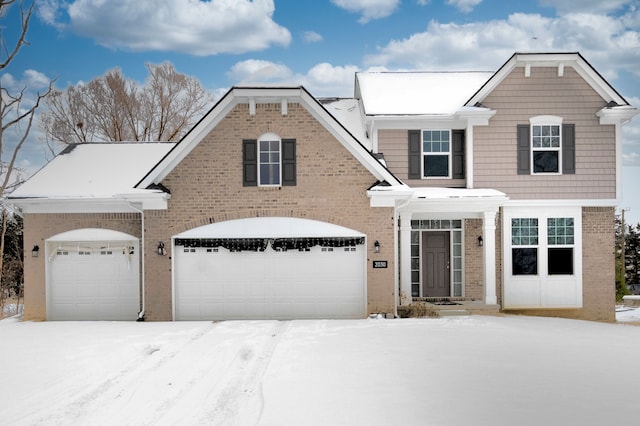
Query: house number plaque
<point x="379" y="264"/>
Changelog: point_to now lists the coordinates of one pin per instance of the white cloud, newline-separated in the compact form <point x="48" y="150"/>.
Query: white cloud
<point x="368" y="9"/>
<point x="187" y="26"/>
<point x="465" y="6"/>
<point x="311" y="37"/>
<point x="328" y="80"/>
<point x="259" y="71"/>
<point x="604" y="40"/>
<point x="321" y="80"/>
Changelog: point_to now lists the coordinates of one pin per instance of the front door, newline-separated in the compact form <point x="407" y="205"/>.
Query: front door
<point x="435" y="264"/>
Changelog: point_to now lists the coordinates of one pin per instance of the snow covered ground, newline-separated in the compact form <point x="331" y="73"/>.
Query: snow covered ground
<point x="476" y="370"/>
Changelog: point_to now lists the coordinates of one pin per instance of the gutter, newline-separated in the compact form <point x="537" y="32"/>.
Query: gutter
<point x="142" y="254"/>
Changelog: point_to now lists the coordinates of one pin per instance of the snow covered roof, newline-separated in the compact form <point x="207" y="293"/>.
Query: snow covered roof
<point x="347" y="111"/>
<point x="94" y="170"/>
<point x="270" y="227"/>
<point x="417" y="93"/>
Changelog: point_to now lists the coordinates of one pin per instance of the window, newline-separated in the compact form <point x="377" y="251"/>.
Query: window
<point x="524" y="242"/>
<point x="545" y="148"/>
<point x="436" y="150"/>
<point x="269" y="164"/>
<point x="269" y="161"/>
<point x="560" y="240"/>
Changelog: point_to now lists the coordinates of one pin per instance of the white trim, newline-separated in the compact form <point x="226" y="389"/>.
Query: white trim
<point x="541" y="120"/>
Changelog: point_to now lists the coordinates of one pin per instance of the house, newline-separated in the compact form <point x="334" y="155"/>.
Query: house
<point x="497" y="188"/>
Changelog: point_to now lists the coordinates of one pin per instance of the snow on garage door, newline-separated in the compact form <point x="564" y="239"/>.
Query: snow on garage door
<point x="269" y="268"/>
<point x="93" y="274"/>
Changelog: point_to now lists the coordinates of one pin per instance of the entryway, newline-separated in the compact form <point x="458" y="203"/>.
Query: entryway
<point x="436" y="264"/>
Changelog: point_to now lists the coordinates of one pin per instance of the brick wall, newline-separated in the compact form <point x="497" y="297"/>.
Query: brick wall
<point x="473" y="260"/>
<point x="207" y="187"/>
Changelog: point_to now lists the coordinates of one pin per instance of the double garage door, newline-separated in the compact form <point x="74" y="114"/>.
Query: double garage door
<point x="269" y="268"/>
<point x="93" y="274"/>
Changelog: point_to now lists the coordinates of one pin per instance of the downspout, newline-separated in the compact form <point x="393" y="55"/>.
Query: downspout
<point x="142" y="254"/>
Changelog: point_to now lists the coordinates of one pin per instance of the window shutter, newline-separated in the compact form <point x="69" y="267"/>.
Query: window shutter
<point x="457" y="152"/>
<point x="415" y="152"/>
<point x="250" y="162"/>
<point x="569" y="149"/>
<point x="523" y="149"/>
<point x="288" y="162"/>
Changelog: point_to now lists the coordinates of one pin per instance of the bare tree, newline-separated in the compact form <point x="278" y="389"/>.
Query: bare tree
<point x="113" y="108"/>
<point x="17" y="110"/>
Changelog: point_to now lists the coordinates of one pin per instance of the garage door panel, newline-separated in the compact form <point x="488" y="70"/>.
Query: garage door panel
<point x="84" y="284"/>
<point x="319" y="283"/>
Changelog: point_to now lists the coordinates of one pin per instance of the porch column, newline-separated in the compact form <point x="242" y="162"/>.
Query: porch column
<point x="489" y="254"/>
<point x="405" y="259"/>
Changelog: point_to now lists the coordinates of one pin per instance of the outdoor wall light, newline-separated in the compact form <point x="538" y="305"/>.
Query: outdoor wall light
<point x="480" y="241"/>
<point x="161" y="249"/>
<point x="376" y="247"/>
<point x="34" y="251"/>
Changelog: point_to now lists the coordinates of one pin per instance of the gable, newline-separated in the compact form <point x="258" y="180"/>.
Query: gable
<point x="525" y="63"/>
<point x="256" y="99"/>
<point x="215" y="170"/>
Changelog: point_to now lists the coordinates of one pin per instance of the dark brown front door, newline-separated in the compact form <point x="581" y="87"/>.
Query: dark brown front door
<point x="435" y="264"/>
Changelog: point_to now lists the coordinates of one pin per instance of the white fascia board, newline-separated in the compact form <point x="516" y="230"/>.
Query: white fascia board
<point x="388" y="196"/>
<point x="347" y="139"/>
<point x="121" y="204"/>
<point x="389" y="122"/>
<point x="617" y="115"/>
<point x="476" y="116"/>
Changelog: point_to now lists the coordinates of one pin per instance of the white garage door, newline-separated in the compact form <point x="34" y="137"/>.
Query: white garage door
<point x="216" y="277"/>
<point x="93" y="280"/>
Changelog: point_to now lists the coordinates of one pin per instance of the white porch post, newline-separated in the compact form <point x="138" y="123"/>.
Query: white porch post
<point x="405" y="258"/>
<point x="489" y="254"/>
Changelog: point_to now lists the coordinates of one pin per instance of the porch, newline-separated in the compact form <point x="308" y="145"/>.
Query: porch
<point x="446" y="306"/>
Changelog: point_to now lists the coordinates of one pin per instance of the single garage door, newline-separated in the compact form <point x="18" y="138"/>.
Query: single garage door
<point x="93" y="274"/>
<point x="269" y="268"/>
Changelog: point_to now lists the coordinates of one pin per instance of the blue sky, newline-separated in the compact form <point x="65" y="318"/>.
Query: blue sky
<point x="321" y="44"/>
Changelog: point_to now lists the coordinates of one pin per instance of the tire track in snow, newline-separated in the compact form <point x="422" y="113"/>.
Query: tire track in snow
<point x="238" y="398"/>
<point x="124" y="379"/>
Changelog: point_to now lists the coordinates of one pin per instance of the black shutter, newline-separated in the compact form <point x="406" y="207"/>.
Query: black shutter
<point x="250" y="162"/>
<point x="288" y="162"/>
<point x="457" y="152"/>
<point x="523" y="149"/>
<point x="415" y="152"/>
<point x="569" y="149"/>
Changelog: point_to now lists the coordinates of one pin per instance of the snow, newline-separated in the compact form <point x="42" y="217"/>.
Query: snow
<point x="347" y="112"/>
<point x="94" y="170"/>
<point x="270" y="227"/>
<point x="448" y="193"/>
<point x="476" y="370"/>
<point x="418" y="93"/>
